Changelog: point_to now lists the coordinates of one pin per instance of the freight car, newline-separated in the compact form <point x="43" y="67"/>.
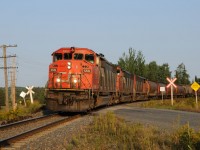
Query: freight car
<point x="80" y="79"/>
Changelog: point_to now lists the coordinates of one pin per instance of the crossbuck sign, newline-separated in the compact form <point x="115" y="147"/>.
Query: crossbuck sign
<point x="30" y="91"/>
<point x="171" y="82"/>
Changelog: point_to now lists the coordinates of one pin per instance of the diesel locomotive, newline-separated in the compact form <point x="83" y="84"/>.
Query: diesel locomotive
<point x="80" y="79"/>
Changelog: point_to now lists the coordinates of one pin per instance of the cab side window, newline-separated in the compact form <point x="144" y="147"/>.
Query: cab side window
<point x="89" y="58"/>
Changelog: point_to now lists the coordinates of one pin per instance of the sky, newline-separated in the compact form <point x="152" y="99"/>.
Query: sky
<point x="166" y="31"/>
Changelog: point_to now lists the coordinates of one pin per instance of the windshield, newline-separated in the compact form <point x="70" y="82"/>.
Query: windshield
<point x="78" y="56"/>
<point x="67" y="56"/>
<point x="57" y="56"/>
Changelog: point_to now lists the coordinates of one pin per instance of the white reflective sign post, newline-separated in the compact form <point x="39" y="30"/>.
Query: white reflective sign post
<point x="171" y="83"/>
<point x="23" y="94"/>
<point x="162" y="90"/>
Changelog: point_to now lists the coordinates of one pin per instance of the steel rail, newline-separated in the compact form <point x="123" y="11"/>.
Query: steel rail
<point x="9" y="141"/>
<point x="26" y="121"/>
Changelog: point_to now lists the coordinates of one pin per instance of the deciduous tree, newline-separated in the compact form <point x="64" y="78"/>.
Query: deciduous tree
<point x="163" y="73"/>
<point x="152" y="71"/>
<point x="133" y="62"/>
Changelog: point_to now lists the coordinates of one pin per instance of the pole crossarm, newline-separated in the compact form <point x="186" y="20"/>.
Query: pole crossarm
<point x="9" y="56"/>
<point x="8" y="46"/>
<point x="8" y="67"/>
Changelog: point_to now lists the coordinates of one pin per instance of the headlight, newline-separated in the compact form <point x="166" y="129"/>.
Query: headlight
<point x="69" y="65"/>
<point x="75" y="80"/>
<point x="58" y="80"/>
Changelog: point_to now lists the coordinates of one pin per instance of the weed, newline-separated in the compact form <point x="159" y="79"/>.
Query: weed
<point x="186" y="138"/>
<point x="186" y="104"/>
<point x="110" y="132"/>
<point x="20" y="112"/>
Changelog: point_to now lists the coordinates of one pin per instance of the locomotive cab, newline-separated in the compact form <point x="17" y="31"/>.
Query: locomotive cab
<point x="73" y="75"/>
<point x="72" y="68"/>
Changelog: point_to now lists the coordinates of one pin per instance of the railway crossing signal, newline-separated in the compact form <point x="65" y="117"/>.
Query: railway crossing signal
<point x="30" y="91"/>
<point x="171" y="83"/>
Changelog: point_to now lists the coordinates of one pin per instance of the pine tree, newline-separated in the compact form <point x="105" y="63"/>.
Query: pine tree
<point x="182" y="75"/>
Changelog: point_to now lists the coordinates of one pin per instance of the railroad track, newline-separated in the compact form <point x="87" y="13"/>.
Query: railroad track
<point x="2" y="127"/>
<point x="21" y="126"/>
<point x="11" y="141"/>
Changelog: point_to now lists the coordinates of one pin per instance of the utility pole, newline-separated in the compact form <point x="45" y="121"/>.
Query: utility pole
<point x="13" y="89"/>
<point x="6" y="73"/>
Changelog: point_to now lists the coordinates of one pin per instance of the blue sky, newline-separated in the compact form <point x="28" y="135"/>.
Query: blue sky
<point x="166" y="31"/>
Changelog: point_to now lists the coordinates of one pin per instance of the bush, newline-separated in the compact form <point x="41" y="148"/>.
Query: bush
<point x="186" y="138"/>
<point x="21" y="112"/>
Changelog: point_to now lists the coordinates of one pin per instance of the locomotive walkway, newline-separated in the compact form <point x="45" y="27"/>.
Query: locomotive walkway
<point x="162" y="118"/>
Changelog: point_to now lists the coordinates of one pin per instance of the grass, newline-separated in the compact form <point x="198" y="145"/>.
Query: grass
<point x="20" y="113"/>
<point x="110" y="132"/>
<point x="186" y="104"/>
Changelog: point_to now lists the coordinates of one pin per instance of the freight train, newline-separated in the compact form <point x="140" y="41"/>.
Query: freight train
<point x="80" y="80"/>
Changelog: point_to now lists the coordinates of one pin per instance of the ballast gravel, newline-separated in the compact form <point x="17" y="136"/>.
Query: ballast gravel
<point x="55" y="139"/>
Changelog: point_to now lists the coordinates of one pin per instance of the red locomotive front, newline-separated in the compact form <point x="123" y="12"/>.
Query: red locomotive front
<point x="72" y="68"/>
<point x="73" y="76"/>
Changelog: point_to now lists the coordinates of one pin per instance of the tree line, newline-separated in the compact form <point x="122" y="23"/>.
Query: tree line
<point x="134" y="62"/>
